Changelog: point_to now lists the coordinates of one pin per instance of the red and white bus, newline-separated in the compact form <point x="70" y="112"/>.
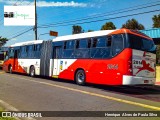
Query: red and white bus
<point x="110" y="57"/>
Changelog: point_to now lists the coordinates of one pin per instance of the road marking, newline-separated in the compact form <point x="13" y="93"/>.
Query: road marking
<point x="95" y="94"/>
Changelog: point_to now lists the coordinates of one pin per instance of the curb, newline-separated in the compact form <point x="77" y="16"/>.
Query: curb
<point x="9" y="107"/>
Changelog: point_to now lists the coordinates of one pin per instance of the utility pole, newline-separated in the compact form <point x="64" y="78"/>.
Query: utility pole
<point x="35" y="27"/>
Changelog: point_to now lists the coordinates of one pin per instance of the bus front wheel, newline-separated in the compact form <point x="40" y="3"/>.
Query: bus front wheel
<point x="80" y="77"/>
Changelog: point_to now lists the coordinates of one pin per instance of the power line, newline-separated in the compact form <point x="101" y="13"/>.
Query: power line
<point x="63" y="24"/>
<point x="101" y="19"/>
<point x="88" y="21"/>
<point x="98" y="3"/>
<point x="100" y="15"/>
<point x="21" y="33"/>
<point x="21" y="30"/>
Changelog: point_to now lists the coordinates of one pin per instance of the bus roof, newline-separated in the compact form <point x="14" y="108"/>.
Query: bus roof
<point x="83" y="35"/>
<point x="27" y="43"/>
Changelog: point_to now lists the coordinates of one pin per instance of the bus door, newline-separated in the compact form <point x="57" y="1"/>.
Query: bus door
<point x="57" y="61"/>
<point x="15" y="60"/>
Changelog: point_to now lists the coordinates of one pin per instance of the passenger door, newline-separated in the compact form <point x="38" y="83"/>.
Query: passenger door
<point x="57" y="61"/>
<point x="15" y="60"/>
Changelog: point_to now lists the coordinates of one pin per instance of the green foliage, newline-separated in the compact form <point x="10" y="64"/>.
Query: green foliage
<point x="108" y="26"/>
<point x="156" y="21"/>
<point x="133" y="24"/>
<point x="90" y="30"/>
<point x="158" y="55"/>
<point x="76" y="29"/>
<point x="3" y="41"/>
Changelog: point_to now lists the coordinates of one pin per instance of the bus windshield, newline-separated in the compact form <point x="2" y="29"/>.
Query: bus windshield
<point x="141" y="43"/>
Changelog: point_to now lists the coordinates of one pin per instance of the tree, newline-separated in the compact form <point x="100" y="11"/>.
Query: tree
<point x="108" y="26"/>
<point x="90" y="30"/>
<point x="156" y="21"/>
<point x="133" y="24"/>
<point x="76" y="29"/>
<point x="3" y="41"/>
<point x="158" y="54"/>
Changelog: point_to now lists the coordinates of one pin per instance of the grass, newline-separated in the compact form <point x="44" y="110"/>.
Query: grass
<point x="5" y="118"/>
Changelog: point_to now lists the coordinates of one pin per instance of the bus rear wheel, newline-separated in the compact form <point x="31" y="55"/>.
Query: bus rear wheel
<point x="80" y="77"/>
<point x="32" y="71"/>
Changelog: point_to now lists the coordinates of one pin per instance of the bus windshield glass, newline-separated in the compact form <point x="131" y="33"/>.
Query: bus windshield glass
<point x="141" y="43"/>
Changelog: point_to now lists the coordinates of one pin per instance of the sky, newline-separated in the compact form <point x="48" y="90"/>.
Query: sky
<point x="61" y="15"/>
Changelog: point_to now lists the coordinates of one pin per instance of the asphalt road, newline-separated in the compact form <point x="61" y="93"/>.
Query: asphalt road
<point x="43" y="94"/>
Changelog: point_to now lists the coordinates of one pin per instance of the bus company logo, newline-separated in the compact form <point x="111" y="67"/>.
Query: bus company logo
<point x="16" y="15"/>
<point x="6" y="114"/>
<point x="145" y="66"/>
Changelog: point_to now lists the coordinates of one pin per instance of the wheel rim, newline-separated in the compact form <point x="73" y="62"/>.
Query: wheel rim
<point x="80" y="77"/>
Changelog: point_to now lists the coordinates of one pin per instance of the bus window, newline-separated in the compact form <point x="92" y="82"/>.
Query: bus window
<point x="109" y="39"/>
<point x="77" y="43"/>
<point x="83" y="43"/>
<point x="89" y="43"/>
<point x="65" y="43"/>
<point x="70" y="44"/>
<point x="149" y="45"/>
<point x="11" y="53"/>
<point x="94" y="42"/>
<point x="140" y="43"/>
<point x="38" y="47"/>
<point x="117" y="44"/>
<point x="101" y="42"/>
<point x="68" y="51"/>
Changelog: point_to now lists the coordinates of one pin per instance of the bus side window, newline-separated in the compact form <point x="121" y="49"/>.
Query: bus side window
<point x="83" y="43"/>
<point x="39" y="47"/>
<point x="77" y="44"/>
<point x="109" y="41"/>
<point x="11" y="53"/>
<point x="101" y="42"/>
<point x="68" y="51"/>
<point x="94" y="42"/>
<point x="117" y="44"/>
<point x="89" y="43"/>
<point x="34" y="47"/>
<point x="70" y="44"/>
<point x="65" y="44"/>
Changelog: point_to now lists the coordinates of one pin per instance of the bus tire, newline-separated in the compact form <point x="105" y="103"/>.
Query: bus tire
<point x="32" y="71"/>
<point x="80" y="77"/>
<point x="10" y="69"/>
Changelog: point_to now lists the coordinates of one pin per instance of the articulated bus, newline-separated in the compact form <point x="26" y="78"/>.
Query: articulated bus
<point x="109" y="57"/>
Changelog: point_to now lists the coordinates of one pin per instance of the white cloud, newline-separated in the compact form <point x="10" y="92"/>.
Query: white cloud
<point x="46" y="4"/>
